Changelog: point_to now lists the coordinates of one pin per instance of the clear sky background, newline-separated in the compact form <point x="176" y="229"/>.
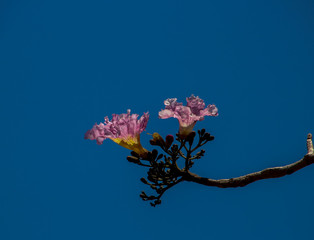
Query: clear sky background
<point x="65" y="65"/>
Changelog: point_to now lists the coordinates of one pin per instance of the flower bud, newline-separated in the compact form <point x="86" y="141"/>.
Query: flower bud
<point x="154" y="153"/>
<point x="208" y="137"/>
<point x="202" y="131"/>
<point x="134" y="154"/>
<point x="133" y="159"/>
<point x="190" y="137"/>
<point x="169" y="141"/>
<point x="152" y="142"/>
<point x="158" y="140"/>
<point x="143" y="180"/>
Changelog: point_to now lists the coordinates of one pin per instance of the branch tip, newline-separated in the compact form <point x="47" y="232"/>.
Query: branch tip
<point x="309" y="144"/>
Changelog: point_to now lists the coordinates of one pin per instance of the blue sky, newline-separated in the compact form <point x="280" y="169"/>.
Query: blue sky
<point x="66" y="64"/>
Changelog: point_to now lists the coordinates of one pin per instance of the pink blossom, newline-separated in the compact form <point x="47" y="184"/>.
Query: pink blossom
<point x="123" y="129"/>
<point x="187" y="115"/>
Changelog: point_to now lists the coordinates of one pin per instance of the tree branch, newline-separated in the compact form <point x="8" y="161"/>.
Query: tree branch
<point x="165" y="174"/>
<point x="242" y="181"/>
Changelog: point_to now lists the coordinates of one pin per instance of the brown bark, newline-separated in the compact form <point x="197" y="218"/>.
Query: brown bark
<point x="242" y="181"/>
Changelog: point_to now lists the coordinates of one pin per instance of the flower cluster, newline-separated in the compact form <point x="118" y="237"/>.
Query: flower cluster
<point x="123" y="129"/>
<point x="164" y="170"/>
<point x="187" y="115"/>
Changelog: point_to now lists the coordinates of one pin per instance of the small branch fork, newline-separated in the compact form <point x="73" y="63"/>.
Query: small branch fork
<point x="164" y="172"/>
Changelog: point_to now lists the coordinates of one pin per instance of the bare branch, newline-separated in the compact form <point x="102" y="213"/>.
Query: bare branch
<point x="242" y="181"/>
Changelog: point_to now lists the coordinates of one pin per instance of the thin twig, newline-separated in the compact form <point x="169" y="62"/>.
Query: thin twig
<point x="169" y="186"/>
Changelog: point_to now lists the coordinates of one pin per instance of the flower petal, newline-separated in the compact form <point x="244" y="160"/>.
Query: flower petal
<point x="166" y="113"/>
<point x="211" y="110"/>
<point x="184" y="114"/>
<point x="196" y="104"/>
<point x="171" y="103"/>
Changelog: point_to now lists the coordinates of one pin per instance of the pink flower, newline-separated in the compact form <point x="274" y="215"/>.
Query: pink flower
<point x="187" y="115"/>
<point x="123" y="129"/>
